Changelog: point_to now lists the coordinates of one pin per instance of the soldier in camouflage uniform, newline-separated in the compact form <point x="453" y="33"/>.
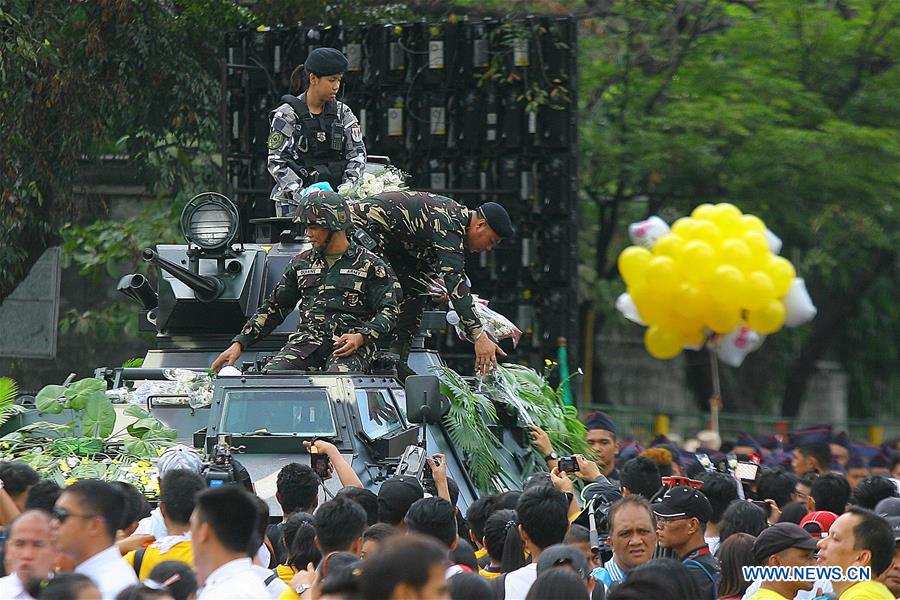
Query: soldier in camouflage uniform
<point x="422" y="235"/>
<point x="314" y="138"/>
<point x="347" y="298"/>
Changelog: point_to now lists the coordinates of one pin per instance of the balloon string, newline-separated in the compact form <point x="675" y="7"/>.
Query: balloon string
<point x="715" y="401"/>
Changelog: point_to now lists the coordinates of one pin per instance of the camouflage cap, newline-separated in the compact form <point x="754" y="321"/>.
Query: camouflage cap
<point x="325" y="209"/>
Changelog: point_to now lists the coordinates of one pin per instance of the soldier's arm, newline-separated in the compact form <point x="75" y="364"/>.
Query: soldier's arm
<point x="354" y="147"/>
<point x="382" y="300"/>
<point x="281" y="140"/>
<point x="275" y="309"/>
<point x="452" y="267"/>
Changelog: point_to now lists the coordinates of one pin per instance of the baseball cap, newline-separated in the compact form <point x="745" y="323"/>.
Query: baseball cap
<point x="397" y="494"/>
<point x="179" y="457"/>
<point x="781" y="536"/>
<point x="563" y="554"/>
<point x="894" y="522"/>
<point x="818" y="523"/>
<point x="684" y="501"/>
<point x="888" y="507"/>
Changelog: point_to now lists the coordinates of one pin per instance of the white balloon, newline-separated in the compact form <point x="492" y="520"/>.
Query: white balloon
<point x="798" y="306"/>
<point x="645" y="233"/>
<point x="774" y="242"/>
<point x="626" y="306"/>
<point x="733" y="347"/>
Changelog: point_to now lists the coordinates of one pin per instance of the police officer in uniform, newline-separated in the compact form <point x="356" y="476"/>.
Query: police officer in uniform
<point x="347" y="298"/>
<point x="314" y="137"/>
<point x="421" y="235"/>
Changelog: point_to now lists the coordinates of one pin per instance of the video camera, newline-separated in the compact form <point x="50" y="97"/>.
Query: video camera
<point x="222" y="469"/>
<point x="414" y="463"/>
<point x="598" y="498"/>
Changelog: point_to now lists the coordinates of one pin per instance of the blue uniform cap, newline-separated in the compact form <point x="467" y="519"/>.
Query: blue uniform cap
<point x="819" y="434"/>
<point x="599" y="420"/>
<point x="745" y="439"/>
<point x="841" y="439"/>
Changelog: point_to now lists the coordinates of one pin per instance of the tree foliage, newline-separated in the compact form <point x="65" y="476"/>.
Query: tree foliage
<point x="785" y="109"/>
<point x="83" y="79"/>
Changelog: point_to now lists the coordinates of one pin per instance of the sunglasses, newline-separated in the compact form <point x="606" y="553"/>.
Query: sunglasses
<point x="61" y="514"/>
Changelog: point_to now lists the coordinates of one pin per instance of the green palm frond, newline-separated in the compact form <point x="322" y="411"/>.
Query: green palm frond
<point x="8" y="406"/>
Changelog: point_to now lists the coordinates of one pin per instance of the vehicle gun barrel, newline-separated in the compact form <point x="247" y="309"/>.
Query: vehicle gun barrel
<point x="206" y="288"/>
<point x="137" y="287"/>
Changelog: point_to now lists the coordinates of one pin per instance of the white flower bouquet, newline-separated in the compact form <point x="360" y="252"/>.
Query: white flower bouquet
<point x="388" y="179"/>
<point x="497" y="326"/>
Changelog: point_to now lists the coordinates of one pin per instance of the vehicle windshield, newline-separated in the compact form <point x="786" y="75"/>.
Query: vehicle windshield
<point x="304" y="412"/>
<point x="377" y="412"/>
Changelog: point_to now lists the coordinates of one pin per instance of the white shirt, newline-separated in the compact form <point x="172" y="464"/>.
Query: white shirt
<point x="154" y="525"/>
<point x="518" y="582"/>
<point x="11" y="588"/>
<point x="713" y="543"/>
<point x="276" y="586"/>
<point x="234" y="580"/>
<point x="109" y="571"/>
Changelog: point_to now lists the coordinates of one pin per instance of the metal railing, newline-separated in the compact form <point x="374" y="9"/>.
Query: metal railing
<point x="644" y="424"/>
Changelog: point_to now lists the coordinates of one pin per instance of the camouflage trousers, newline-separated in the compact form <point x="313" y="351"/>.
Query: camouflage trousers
<point x="411" y="273"/>
<point x="293" y="358"/>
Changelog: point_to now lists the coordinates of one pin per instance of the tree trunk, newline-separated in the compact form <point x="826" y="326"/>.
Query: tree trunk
<point x="826" y="327"/>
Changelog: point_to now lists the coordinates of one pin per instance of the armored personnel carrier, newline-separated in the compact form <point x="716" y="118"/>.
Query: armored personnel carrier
<point x="206" y="290"/>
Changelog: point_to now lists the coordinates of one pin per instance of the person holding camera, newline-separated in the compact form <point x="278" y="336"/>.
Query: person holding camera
<point x="600" y="436"/>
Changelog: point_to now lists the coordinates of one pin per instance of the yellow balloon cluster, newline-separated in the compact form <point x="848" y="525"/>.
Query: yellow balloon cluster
<point x="712" y="271"/>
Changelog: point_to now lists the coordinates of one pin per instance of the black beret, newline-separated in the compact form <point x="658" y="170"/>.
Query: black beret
<point x="497" y="219"/>
<point x="326" y="61"/>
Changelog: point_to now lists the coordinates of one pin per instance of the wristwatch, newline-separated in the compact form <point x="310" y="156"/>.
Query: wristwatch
<point x="552" y="456"/>
<point x="303" y="588"/>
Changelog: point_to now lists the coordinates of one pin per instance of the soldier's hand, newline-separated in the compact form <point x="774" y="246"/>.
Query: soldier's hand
<point x="486" y="352"/>
<point x="230" y="356"/>
<point x="347" y="344"/>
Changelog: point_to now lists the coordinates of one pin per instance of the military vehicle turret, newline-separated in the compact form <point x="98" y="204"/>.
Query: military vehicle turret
<point x="206" y="290"/>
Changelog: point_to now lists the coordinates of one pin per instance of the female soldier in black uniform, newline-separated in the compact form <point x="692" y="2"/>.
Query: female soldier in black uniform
<point x="314" y="137"/>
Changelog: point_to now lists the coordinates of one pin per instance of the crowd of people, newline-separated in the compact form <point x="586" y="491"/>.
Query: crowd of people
<point x="655" y="522"/>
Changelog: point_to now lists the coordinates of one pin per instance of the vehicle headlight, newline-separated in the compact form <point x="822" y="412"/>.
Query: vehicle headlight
<point x="210" y="220"/>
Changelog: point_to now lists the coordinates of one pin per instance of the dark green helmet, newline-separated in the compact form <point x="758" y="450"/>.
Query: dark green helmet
<point x="325" y="209"/>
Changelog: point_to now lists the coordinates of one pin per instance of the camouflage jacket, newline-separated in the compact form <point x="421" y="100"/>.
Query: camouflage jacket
<point x="284" y="146"/>
<point x="358" y="294"/>
<point x="428" y="228"/>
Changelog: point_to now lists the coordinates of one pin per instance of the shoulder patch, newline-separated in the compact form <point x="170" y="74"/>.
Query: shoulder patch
<point x="380" y="272"/>
<point x="356" y="134"/>
<point x="276" y="139"/>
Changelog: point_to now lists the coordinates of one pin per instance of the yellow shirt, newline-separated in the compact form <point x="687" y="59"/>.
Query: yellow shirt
<point x="285" y="573"/>
<point x="867" y="590"/>
<point x="181" y="552"/>
<point x="489" y="574"/>
<point x="762" y="594"/>
<point x="289" y="594"/>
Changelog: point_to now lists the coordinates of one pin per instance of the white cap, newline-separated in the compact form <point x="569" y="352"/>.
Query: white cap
<point x="179" y="457"/>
